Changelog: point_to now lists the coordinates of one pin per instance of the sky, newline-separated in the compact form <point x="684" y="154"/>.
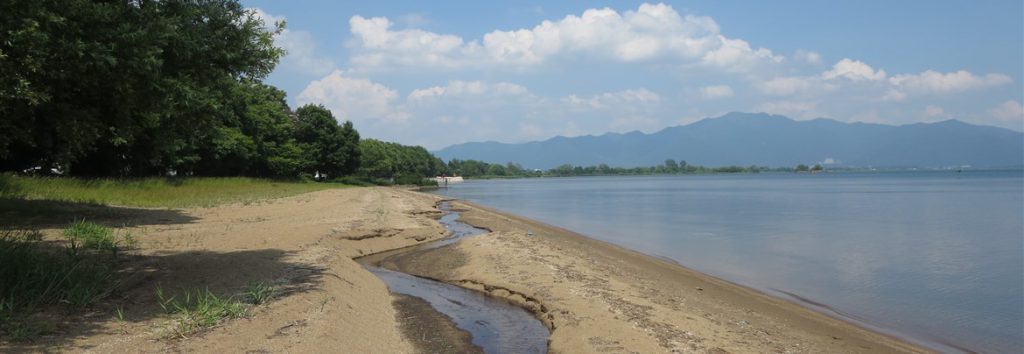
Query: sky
<point x="442" y="73"/>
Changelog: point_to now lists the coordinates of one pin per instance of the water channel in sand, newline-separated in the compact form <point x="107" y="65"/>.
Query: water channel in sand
<point x="495" y="325"/>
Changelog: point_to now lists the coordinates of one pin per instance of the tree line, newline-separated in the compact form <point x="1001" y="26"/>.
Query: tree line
<point x="154" y="87"/>
<point x="478" y="169"/>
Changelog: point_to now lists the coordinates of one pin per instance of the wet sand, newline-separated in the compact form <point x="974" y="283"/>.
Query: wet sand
<point x="596" y="297"/>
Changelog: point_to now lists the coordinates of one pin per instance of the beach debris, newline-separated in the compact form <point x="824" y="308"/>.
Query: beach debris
<point x="529" y="233"/>
<point x="744" y="323"/>
<point x="700" y="289"/>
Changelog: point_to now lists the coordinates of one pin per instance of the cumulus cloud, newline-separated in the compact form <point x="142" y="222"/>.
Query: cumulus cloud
<point x="857" y="80"/>
<point x="356" y="99"/>
<point x="462" y="111"/>
<point x="651" y="32"/>
<point x="853" y="70"/>
<point x="715" y="92"/>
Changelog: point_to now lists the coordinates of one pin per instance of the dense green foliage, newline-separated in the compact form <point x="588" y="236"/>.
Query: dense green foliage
<point x="145" y="88"/>
<point x="151" y="192"/>
<point x="391" y="160"/>
<point x="327" y="147"/>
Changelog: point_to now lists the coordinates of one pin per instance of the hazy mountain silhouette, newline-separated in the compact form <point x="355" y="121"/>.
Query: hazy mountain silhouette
<point x="768" y="140"/>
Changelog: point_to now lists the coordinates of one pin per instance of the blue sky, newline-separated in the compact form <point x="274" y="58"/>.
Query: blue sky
<point x="441" y="73"/>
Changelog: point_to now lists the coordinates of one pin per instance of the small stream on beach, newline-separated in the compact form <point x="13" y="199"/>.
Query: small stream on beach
<point x="495" y="325"/>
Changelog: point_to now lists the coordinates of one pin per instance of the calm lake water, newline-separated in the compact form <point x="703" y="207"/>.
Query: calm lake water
<point x="934" y="257"/>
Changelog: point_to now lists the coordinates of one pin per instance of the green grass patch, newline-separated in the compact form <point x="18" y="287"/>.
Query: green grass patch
<point x="259" y="292"/>
<point x="37" y="274"/>
<point x="199" y="309"/>
<point x="154" y="192"/>
<point x="92" y="236"/>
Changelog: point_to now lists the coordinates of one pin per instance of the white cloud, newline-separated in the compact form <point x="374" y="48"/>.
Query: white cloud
<point x="651" y="32"/>
<point x="355" y="99"/>
<point x="716" y="92"/>
<point x="467" y="88"/>
<point x="850" y="82"/>
<point x="932" y="82"/>
<point x="1009" y="112"/>
<point x="853" y="70"/>
<point x="737" y="55"/>
<point x="379" y="45"/>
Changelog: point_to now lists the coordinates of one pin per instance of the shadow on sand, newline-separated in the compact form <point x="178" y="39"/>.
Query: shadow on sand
<point x="223" y="273"/>
<point x="24" y="213"/>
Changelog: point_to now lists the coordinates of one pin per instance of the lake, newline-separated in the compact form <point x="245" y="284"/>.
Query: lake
<point x="933" y="257"/>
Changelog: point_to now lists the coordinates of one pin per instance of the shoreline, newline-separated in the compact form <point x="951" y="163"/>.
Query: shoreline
<point x="501" y="222"/>
<point x="593" y="295"/>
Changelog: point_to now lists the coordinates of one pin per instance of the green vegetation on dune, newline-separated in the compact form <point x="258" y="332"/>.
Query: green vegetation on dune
<point x="153" y="192"/>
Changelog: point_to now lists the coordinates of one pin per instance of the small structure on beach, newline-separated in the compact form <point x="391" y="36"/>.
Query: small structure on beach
<point x="445" y="180"/>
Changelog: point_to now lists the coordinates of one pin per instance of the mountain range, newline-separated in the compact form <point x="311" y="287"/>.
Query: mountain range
<point x="761" y="139"/>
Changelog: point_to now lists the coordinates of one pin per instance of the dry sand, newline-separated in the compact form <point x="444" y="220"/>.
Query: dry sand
<point x="305" y="244"/>
<point x="595" y="296"/>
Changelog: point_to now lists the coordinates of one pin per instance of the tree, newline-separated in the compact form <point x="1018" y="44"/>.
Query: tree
<point x="671" y="166"/>
<point x="328" y="148"/>
<point x="388" y="160"/>
<point x="802" y="168"/>
<point x="817" y="168"/>
<point x="264" y="116"/>
<point x="496" y="170"/>
<point x="126" y="88"/>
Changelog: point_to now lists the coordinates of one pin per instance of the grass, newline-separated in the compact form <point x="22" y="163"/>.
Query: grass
<point x="200" y="309"/>
<point x="154" y="192"/>
<point x="92" y="236"/>
<point x="35" y="274"/>
<point x="260" y="292"/>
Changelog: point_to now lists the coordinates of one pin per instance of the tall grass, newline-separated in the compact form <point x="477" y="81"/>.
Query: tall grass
<point x="35" y="273"/>
<point x="154" y="192"/>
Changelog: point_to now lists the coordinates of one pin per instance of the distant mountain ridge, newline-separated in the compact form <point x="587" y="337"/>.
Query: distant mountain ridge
<point x="768" y="140"/>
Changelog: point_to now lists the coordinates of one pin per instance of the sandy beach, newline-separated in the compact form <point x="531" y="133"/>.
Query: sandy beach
<point x="594" y="296"/>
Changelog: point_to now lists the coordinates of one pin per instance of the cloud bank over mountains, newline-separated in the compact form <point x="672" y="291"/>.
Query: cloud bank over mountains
<point x="488" y="94"/>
